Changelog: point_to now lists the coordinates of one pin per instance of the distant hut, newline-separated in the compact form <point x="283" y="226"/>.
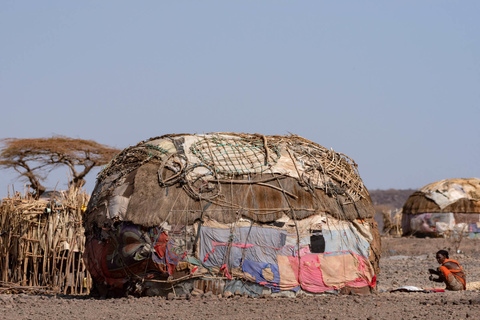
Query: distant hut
<point x="226" y="212"/>
<point x="443" y="207"/>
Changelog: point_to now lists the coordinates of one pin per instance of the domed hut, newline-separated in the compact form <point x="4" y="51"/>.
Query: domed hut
<point x="443" y="207"/>
<point x="228" y="212"/>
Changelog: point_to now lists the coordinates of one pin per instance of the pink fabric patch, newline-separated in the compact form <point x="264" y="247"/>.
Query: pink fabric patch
<point x="311" y="275"/>
<point x="305" y="250"/>
<point x="311" y="278"/>
<point x="363" y="270"/>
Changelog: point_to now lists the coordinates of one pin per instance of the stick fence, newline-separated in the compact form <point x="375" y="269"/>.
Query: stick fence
<point x="41" y="244"/>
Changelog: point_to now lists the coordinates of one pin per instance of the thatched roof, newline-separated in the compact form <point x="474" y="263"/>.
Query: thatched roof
<point x="450" y="195"/>
<point x="181" y="178"/>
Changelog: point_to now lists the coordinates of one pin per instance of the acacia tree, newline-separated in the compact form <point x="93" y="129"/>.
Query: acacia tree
<point x="34" y="158"/>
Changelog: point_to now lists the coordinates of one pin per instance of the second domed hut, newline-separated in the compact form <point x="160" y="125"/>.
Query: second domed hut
<point x="229" y="212"/>
<point x="443" y="207"/>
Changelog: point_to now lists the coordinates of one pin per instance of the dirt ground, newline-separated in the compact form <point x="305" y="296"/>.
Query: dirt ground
<point x="404" y="262"/>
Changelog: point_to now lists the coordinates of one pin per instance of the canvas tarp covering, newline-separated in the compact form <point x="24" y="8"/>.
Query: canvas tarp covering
<point x="268" y="256"/>
<point x="233" y="206"/>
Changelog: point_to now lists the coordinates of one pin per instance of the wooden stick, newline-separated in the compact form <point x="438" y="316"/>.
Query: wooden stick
<point x="251" y="181"/>
<point x="279" y="189"/>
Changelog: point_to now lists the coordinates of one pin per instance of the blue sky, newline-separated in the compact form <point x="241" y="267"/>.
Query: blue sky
<point x="392" y="84"/>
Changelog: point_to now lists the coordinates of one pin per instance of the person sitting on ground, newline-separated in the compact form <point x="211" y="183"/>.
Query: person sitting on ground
<point x="450" y="272"/>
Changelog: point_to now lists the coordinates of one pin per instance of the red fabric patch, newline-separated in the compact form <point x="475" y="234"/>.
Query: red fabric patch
<point x="161" y="245"/>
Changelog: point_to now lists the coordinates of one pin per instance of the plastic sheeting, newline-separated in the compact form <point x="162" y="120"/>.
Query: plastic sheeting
<point x="432" y="222"/>
<point x="271" y="257"/>
<point x="325" y="259"/>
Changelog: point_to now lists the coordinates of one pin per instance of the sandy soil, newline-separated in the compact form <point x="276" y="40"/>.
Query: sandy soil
<point x="405" y="262"/>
